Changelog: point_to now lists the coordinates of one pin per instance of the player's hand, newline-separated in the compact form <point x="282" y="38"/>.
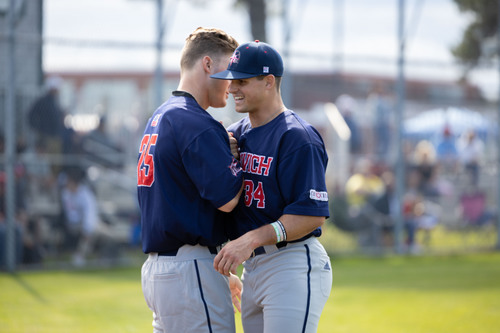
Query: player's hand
<point x="235" y="286"/>
<point x="233" y="144"/>
<point x="232" y="255"/>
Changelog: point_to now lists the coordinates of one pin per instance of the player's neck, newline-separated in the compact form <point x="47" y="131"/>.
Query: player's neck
<point x="264" y="116"/>
<point x="192" y="84"/>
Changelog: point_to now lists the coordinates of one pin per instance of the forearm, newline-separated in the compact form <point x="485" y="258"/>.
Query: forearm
<point x="298" y="226"/>
<point x="240" y="249"/>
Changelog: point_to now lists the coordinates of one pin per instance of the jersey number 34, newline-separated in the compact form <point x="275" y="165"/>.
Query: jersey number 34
<point x="256" y="193"/>
<point x="146" y="165"/>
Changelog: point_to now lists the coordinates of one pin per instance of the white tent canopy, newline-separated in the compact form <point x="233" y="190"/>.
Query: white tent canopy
<point x="430" y="123"/>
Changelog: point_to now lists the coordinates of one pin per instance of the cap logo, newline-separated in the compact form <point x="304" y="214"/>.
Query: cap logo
<point x="235" y="58"/>
<point x="265" y="69"/>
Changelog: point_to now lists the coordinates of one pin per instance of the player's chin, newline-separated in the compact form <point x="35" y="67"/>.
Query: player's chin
<point x="240" y="109"/>
<point x="220" y="103"/>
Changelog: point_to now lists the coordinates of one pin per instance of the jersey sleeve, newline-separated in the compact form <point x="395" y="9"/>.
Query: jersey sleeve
<point x="301" y="176"/>
<point x="212" y="168"/>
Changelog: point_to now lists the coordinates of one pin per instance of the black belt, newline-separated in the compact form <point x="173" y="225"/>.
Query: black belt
<point x="173" y="253"/>
<point x="261" y="250"/>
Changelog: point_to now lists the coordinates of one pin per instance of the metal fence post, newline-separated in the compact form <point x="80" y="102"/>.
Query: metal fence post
<point x="498" y="134"/>
<point x="158" y="76"/>
<point x="400" y="165"/>
<point x="9" y="153"/>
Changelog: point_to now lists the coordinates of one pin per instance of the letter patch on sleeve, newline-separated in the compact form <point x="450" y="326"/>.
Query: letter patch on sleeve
<point x="318" y="195"/>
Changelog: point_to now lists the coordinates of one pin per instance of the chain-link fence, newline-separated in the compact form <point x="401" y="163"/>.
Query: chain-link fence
<point x="79" y="168"/>
<point x="76" y="150"/>
<point x="450" y="196"/>
<point x="74" y="196"/>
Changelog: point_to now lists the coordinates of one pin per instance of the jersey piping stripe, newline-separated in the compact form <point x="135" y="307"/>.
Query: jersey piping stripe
<point x="308" y="287"/>
<point x="202" y="297"/>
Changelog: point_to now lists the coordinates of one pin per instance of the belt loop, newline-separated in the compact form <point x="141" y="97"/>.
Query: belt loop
<point x="153" y="256"/>
<point x="269" y="249"/>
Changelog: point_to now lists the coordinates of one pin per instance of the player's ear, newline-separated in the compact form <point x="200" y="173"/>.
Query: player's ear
<point x="207" y="64"/>
<point x="270" y="81"/>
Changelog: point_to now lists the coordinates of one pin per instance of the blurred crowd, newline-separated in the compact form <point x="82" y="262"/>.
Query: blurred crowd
<point x="444" y="183"/>
<point x="56" y="208"/>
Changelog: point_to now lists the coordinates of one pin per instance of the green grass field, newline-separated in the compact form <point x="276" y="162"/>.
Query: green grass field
<point x="393" y="294"/>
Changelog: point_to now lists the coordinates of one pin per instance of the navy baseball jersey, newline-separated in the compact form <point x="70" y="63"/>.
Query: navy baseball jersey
<point x="185" y="171"/>
<point x="284" y="164"/>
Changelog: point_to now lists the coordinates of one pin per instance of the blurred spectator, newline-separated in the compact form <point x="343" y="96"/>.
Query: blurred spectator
<point x="348" y="107"/>
<point x="40" y="178"/>
<point x="99" y="148"/>
<point x="81" y="214"/>
<point x="447" y="153"/>
<point x="46" y="117"/>
<point x="380" y="106"/>
<point x="363" y="185"/>
<point x="474" y="210"/>
<point x="418" y="213"/>
<point x="340" y="211"/>
<point x="386" y="208"/>
<point x="70" y="140"/>
<point x="28" y="243"/>
<point x="31" y="235"/>
<point x="425" y="164"/>
<point x="471" y="150"/>
<point x="360" y="190"/>
<point x="18" y="229"/>
<point x="427" y="217"/>
<point x="412" y="200"/>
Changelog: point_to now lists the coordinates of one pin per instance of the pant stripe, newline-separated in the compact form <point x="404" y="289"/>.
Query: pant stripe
<point x="202" y="297"/>
<point x="308" y="287"/>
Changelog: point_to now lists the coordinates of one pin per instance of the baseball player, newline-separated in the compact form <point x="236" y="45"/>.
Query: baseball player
<point x="187" y="177"/>
<point x="287" y="274"/>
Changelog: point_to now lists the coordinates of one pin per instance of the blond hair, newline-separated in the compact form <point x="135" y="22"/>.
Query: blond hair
<point x="424" y="152"/>
<point x="206" y="41"/>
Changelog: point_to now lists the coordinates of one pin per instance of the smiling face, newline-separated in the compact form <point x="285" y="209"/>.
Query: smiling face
<point x="249" y="94"/>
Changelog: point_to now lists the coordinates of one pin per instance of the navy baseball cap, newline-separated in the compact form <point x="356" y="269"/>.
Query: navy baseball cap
<point x="250" y="60"/>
